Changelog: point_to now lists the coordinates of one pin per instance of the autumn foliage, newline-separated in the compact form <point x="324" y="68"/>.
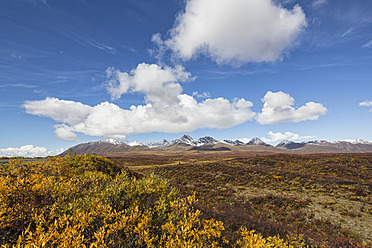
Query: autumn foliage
<point x="88" y="201"/>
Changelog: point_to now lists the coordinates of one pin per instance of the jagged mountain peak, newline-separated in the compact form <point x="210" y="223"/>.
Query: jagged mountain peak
<point x="186" y="136"/>
<point x="207" y="140"/>
<point x="186" y="139"/>
<point x="257" y="141"/>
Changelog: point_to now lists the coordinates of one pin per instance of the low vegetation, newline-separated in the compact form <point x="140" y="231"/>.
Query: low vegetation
<point x="205" y="200"/>
<point x="325" y="199"/>
<point x="89" y="201"/>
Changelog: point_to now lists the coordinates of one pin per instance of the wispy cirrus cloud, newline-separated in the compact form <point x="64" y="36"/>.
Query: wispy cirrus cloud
<point x="102" y="47"/>
<point x="87" y="39"/>
<point x="348" y="32"/>
<point x="318" y="3"/>
<point x="18" y="85"/>
<point x="368" y="44"/>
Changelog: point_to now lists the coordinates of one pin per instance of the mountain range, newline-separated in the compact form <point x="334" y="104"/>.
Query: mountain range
<point x="187" y="143"/>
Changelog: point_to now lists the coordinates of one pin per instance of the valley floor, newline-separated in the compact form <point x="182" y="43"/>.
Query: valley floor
<point x="326" y="198"/>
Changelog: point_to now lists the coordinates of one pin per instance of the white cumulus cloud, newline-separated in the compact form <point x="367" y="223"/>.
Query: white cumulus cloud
<point x="59" y="110"/>
<point x="366" y="104"/>
<point x="273" y="137"/>
<point x="65" y="132"/>
<point x="109" y="120"/>
<point x="28" y="151"/>
<point x="157" y="83"/>
<point x="278" y="107"/>
<point x="166" y="108"/>
<point x="234" y="31"/>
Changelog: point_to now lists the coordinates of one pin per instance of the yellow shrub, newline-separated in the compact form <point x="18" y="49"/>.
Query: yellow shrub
<point x="250" y="239"/>
<point x="83" y="201"/>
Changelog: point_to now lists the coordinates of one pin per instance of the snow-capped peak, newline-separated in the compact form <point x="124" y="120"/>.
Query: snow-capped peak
<point x="186" y="139"/>
<point x="256" y="141"/>
<point x="207" y="140"/>
<point x="135" y="143"/>
<point x="112" y="141"/>
<point x="358" y="141"/>
<point x="164" y="142"/>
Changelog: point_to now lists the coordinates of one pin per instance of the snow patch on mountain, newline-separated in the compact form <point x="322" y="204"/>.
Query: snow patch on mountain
<point x="186" y="139"/>
<point x="112" y="141"/>
<point x="357" y="141"/>
<point x="135" y="143"/>
<point x="256" y="141"/>
<point x="233" y="142"/>
<point x="207" y="140"/>
<point x="162" y="143"/>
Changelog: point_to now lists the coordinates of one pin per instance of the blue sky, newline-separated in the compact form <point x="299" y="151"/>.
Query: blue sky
<point x="71" y="70"/>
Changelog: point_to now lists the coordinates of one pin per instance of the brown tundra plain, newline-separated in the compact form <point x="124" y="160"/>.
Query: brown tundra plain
<point x="187" y="199"/>
<point x="324" y="198"/>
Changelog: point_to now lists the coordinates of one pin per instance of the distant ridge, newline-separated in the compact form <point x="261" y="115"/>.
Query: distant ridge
<point x="207" y="143"/>
<point x="323" y="146"/>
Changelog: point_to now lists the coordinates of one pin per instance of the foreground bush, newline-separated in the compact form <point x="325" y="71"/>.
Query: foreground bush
<point x="87" y="201"/>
